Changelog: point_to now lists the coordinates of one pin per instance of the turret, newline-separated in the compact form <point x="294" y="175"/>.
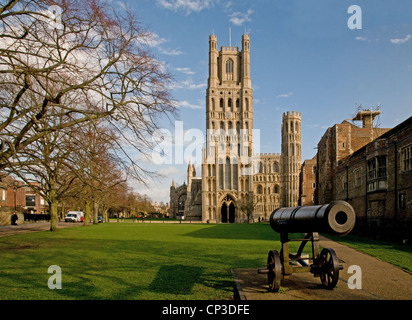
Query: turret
<point x="213" y="57"/>
<point x="247" y="83"/>
<point x="291" y="156"/>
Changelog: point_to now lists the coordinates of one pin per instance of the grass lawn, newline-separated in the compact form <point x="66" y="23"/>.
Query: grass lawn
<point x="148" y="261"/>
<point x="397" y="254"/>
<point x="133" y="261"/>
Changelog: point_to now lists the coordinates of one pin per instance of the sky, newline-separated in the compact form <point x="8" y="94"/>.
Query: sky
<point x="316" y="57"/>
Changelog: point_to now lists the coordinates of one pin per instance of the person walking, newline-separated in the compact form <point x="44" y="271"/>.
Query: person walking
<point x="14" y="218"/>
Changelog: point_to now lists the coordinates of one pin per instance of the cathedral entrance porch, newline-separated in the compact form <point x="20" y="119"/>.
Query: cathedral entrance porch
<point x="228" y="211"/>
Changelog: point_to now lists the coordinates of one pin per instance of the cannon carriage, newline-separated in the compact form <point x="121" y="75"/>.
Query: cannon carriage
<point x="337" y="218"/>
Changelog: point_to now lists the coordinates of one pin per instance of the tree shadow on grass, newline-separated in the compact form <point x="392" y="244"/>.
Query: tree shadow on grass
<point x="176" y="279"/>
<point x="236" y="232"/>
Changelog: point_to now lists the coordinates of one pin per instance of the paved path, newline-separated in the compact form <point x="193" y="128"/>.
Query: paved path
<point x="32" y="227"/>
<point x="380" y="281"/>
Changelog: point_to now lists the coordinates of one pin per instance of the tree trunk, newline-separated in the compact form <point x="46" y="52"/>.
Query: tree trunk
<point x="95" y="213"/>
<point x="53" y="215"/>
<point x="104" y="214"/>
<point x="86" y="213"/>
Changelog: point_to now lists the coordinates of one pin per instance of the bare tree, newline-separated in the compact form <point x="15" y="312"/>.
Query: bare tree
<point x="73" y="62"/>
<point x="46" y="166"/>
<point x="248" y="206"/>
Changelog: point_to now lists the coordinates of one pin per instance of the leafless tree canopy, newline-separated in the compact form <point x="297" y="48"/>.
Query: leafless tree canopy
<point x="67" y="63"/>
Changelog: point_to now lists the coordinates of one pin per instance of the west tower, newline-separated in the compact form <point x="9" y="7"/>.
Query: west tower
<point x="229" y="125"/>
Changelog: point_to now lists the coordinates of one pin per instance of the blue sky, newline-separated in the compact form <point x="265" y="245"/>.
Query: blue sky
<point x="304" y="58"/>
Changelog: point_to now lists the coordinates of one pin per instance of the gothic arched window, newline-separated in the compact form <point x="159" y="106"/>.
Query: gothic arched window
<point x="181" y="202"/>
<point x="229" y="66"/>
<point x="229" y="69"/>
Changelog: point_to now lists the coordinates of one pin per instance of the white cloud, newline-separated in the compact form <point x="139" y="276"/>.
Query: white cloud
<point x="187" y="71"/>
<point x="186" y="104"/>
<point x="171" y="52"/>
<point x="155" y="41"/>
<point x="189" y="84"/>
<point x="402" y="40"/>
<point x="238" y="18"/>
<point x="361" y="38"/>
<point x="168" y="171"/>
<point x="285" y="95"/>
<point x="186" y="5"/>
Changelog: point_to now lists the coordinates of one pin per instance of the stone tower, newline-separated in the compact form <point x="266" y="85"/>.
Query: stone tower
<point x="229" y="125"/>
<point x="236" y="184"/>
<point x="291" y="157"/>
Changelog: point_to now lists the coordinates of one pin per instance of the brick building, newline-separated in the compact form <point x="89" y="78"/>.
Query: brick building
<point x="338" y="143"/>
<point x="15" y="195"/>
<point x="308" y="182"/>
<point x="377" y="181"/>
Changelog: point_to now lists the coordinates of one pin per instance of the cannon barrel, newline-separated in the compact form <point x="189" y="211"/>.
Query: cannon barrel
<point x="338" y="217"/>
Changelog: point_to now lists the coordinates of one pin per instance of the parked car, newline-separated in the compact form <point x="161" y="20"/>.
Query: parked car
<point x="74" y="216"/>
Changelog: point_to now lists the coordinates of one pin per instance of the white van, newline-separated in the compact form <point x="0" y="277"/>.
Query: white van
<point x="74" y="216"/>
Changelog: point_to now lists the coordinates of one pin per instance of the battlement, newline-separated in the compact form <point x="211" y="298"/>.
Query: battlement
<point x="293" y="114"/>
<point x="229" y="49"/>
<point x="268" y="155"/>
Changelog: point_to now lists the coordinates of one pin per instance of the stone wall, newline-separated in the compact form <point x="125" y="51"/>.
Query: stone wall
<point x="5" y="216"/>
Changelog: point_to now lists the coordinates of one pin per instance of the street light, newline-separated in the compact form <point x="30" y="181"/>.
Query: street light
<point x="15" y="186"/>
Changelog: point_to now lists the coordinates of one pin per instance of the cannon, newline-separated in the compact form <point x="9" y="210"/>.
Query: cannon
<point x="337" y="218"/>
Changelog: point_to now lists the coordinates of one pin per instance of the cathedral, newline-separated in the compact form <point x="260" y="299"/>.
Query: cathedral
<point x="237" y="185"/>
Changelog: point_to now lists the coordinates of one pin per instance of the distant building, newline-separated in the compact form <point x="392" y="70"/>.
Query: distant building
<point x="15" y="195"/>
<point x="377" y="181"/>
<point x="338" y="143"/>
<point x="233" y="176"/>
<point x="308" y="183"/>
<point x="369" y="167"/>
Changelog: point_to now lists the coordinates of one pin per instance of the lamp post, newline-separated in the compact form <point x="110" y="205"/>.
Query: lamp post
<point x="15" y="186"/>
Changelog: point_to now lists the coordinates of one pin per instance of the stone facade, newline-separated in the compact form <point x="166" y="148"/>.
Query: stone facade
<point x="308" y="182"/>
<point x="339" y="142"/>
<point x="377" y="181"/>
<point x="233" y="176"/>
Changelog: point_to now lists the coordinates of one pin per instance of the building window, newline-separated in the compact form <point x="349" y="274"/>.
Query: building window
<point x="260" y="164"/>
<point x="402" y="201"/>
<point x="406" y="158"/>
<point x="358" y="177"/>
<point x="181" y="203"/>
<point x="377" y="173"/>
<point x="30" y="200"/>
<point x="229" y="69"/>
<point x="3" y="195"/>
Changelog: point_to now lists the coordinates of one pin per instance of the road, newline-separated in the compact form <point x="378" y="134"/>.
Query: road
<point x="32" y="227"/>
